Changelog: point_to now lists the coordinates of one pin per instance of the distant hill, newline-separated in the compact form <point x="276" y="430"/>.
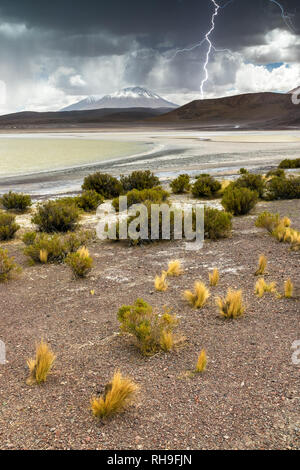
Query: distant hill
<point x="253" y="110"/>
<point x="134" y="97"/>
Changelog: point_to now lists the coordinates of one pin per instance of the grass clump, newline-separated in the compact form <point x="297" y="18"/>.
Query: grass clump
<point x="239" y="201"/>
<point x="16" y="201"/>
<point x="80" y="262"/>
<point x="288" y="289"/>
<point x="232" y="305"/>
<point x="217" y="224"/>
<point x="262" y="265"/>
<point x="8" y="226"/>
<point x="8" y="267"/>
<point x="160" y="282"/>
<point x="181" y="184"/>
<point x="205" y="186"/>
<point x="41" y="365"/>
<point x="56" y="216"/>
<point x="262" y="287"/>
<point x="29" y="238"/>
<point x="104" y="184"/>
<point x="201" y="362"/>
<point x="214" y="277"/>
<point x="199" y="297"/>
<point x="152" y="332"/>
<point x="174" y="268"/>
<point x="139" y="180"/>
<point x="118" y="395"/>
<point x="268" y="221"/>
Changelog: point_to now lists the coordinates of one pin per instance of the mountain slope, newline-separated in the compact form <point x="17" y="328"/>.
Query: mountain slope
<point x="135" y="97"/>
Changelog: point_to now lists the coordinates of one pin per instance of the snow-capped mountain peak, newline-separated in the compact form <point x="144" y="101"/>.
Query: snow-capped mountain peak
<point x="131" y="97"/>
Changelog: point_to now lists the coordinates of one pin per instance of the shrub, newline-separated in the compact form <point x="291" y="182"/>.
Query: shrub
<point x="139" y="180"/>
<point x="16" y="201"/>
<point x="89" y="201"/>
<point x="174" y="268"/>
<point x="42" y="364"/>
<point x="29" y="238"/>
<point x="181" y="184"/>
<point x="288" y="163"/>
<point x="283" y="188"/>
<point x="276" y="172"/>
<point x="243" y="171"/>
<point x="8" y="267"/>
<point x="288" y="289"/>
<point x="202" y="362"/>
<point x="205" y="186"/>
<point x="160" y="282"/>
<point x="80" y="262"/>
<point x="214" y="277"/>
<point x="148" y="328"/>
<point x="56" y="246"/>
<point x="232" y="306"/>
<point x="217" y="224"/>
<point x="199" y="297"/>
<point x="268" y="221"/>
<point x="239" y="201"/>
<point x="118" y="395"/>
<point x="251" y="181"/>
<point x="104" y="184"/>
<point x="261" y="287"/>
<point x="8" y="226"/>
<point x="262" y="264"/>
<point x="155" y="195"/>
<point x="56" y="216"/>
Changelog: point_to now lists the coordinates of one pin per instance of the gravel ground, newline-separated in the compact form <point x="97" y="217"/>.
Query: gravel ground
<point x="247" y="399"/>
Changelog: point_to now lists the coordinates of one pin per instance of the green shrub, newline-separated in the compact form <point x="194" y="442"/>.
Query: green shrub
<point x="239" y="201"/>
<point x="276" y="172"/>
<point x="181" y="184"/>
<point x="104" y="184"/>
<point x="205" y="186"/>
<point x="243" y="171"/>
<point x="89" y="201"/>
<point x="80" y="262"/>
<point x="251" y="181"/>
<point x="16" y="201"/>
<point x="290" y="164"/>
<point x="29" y="238"/>
<point x="155" y="195"/>
<point x="56" y="247"/>
<point x="217" y="224"/>
<point x="8" y="226"/>
<point x="8" y="267"/>
<point x="56" y="216"/>
<point x="283" y="188"/>
<point x="139" y="180"/>
<point x="152" y="332"/>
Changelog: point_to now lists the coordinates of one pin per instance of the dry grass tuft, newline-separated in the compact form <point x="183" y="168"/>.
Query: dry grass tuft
<point x="44" y="256"/>
<point x="232" y="306"/>
<point x="174" y="268"/>
<point x="167" y="341"/>
<point x="199" y="297"/>
<point x="40" y="366"/>
<point x="160" y="282"/>
<point x="214" y="277"/>
<point x="288" y="289"/>
<point x="202" y="362"/>
<point x="261" y="287"/>
<point x="262" y="265"/>
<point x="118" y="395"/>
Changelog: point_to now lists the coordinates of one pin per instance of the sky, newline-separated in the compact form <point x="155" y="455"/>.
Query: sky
<point x="54" y="53"/>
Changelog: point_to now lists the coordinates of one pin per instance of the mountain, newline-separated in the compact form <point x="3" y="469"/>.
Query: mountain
<point x="252" y="110"/>
<point x="134" y="97"/>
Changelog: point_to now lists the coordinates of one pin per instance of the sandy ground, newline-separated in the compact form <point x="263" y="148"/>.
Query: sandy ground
<point x="247" y="399"/>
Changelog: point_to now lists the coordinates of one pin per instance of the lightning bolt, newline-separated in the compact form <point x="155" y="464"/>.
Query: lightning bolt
<point x="207" y="38"/>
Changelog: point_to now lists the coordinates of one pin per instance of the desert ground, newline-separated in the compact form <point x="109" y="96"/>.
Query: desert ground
<point x="248" y="398"/>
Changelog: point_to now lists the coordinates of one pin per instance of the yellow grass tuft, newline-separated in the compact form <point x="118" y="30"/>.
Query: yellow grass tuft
<point x="288" y="289"/>
<point x="262" y="264"/>
<point x="214" y="277"/>
<point x="174" y="268"/>
<point x="202" y="362"/>
<point x="261" y="287"/>
<point x="286" y="222"/>
<point x="119" y="394"/>
<point x="160" y="282"/>
<point x="199" y="297"/>
<point x="232" y="306"/>
<point x="83" y="252"/>
<point x="167" y="340"/>
<point x="40" y="366"/>
<point x="44" y="256"/>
